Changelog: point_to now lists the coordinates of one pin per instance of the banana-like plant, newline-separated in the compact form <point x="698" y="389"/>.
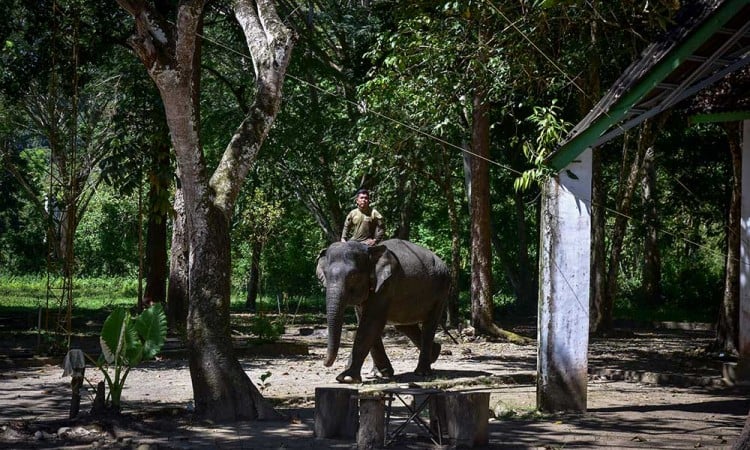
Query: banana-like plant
<point x="126" y="340"/>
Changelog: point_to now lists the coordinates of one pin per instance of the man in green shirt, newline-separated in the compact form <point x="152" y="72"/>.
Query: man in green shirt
<point x="363" y="224"/>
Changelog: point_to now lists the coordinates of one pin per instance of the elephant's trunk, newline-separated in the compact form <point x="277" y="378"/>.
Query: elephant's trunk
<point x="335" y="312"/>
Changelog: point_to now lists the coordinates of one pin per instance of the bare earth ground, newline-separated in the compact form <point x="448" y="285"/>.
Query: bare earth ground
<point x="647" y="390"/>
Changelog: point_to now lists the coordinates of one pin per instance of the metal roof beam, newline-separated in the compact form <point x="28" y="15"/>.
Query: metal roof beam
<point x="591" y="134"/>
<point x="620" y="129"/>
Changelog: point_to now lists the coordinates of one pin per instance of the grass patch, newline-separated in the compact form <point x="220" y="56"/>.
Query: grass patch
<point x="31" y="293"/>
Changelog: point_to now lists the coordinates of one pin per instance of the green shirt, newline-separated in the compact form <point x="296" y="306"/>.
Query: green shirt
<point x="360" y="226"/>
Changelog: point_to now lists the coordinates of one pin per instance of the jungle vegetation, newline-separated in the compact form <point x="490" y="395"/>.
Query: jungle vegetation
<point x="442" y="109"/>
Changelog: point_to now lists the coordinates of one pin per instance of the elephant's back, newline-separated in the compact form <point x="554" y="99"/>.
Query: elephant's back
<point x="417" y="261"/>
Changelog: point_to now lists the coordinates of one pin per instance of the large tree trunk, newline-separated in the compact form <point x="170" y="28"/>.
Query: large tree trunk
<point x="170" y="49"/>
<point x="727" y="328"/>
<point x="481" y="251"/>
<point x="477" y="177"/>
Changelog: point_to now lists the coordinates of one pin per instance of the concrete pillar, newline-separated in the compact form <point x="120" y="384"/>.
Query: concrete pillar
<point x="743" y="374"/>
<point x="564" y="259"/>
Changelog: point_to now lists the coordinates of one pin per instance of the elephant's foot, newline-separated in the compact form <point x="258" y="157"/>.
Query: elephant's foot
<point x="435" y="351"/>
<point x="349" y="376"/>
<point x="423" y="372"/>
<point x="385" y="372"/>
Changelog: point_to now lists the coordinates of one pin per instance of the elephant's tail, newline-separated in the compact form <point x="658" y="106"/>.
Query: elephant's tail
<point x="449" y="334"/>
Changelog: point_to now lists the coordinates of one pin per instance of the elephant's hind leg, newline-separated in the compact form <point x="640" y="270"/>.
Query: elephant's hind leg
<point x="414" y="333"/>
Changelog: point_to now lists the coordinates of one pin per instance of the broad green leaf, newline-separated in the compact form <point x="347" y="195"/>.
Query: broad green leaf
<point x="112" y="336"/>
<point x="151" y="325"/>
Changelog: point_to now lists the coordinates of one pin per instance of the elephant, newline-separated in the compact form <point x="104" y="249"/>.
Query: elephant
<point x="396" y="282"/>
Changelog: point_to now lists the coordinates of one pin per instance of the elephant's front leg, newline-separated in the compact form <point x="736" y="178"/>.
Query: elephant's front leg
<point x="370" y="328"/>
<point x="381" y="364"/>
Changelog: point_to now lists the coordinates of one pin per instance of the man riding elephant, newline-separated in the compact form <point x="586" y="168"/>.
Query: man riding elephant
<point x="363" y="223"/>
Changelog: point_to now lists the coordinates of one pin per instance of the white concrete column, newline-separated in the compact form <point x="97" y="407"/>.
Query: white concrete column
<point x="744" y="361"/>
<point x="564" y="260"/>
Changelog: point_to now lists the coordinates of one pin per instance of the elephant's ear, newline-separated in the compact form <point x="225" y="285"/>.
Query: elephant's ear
<point x="385" y="263"/>
<point x="321" y="268"/>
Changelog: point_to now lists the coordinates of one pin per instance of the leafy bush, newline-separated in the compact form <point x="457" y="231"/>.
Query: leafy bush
<point x="266" y="329"/>
<point x="125" y="342"/>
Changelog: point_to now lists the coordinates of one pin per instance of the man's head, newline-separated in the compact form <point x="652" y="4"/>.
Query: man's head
<point x="362" y="199"/>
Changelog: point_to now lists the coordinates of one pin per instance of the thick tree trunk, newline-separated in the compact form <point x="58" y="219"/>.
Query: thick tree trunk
<point x="481" y="255"/>
<point x="651" y="254"/>
<point x="481" y="251"/>
<point x="727" y="328"/>
<point x="170" y="50"/>
<point x="221" y="388"/>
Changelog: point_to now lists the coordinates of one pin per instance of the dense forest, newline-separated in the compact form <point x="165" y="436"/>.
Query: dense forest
<point x="391" y="96"/>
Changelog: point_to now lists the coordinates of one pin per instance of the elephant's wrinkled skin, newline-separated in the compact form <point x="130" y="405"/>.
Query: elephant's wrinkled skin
<point x="396" y="282"/>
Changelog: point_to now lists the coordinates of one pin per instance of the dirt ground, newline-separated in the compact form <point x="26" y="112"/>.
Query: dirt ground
<point x="647" y="390"/>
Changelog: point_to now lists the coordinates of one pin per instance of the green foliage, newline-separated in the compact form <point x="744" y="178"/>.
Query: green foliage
<point x="551" y="128"/>
<point x="107" y="238"/>
<point x="126" y="341"/>
<point x="266" y="329"/>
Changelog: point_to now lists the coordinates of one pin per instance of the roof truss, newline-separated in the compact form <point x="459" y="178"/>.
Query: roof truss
<point x="678" y="67"/>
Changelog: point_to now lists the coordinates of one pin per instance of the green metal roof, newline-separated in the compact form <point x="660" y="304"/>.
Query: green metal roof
<point x="713" y="41"/>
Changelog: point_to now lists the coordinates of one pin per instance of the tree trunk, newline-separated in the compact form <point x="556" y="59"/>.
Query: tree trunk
<point x="178" y="291"/>
<point x="599" y="312"/>
<point x="727" y="328"/>
<point x="407" y="195"/>
<point x="170" y="50"/>
<point x="253" y="279"/>
<point x="626" y="190"/>
<point x="452" y="316"/>
<point x="481" y="252"/>
<point x="221" y="388"/>
<point x="651" y="254"/>
<point x="156" y="232"/>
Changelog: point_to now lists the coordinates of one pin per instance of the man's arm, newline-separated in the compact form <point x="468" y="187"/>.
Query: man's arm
<point x="379" y="229"/>
<point x="347" y="227"/>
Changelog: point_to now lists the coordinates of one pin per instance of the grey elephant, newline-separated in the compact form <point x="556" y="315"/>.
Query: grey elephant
<point x="397" y="282"/>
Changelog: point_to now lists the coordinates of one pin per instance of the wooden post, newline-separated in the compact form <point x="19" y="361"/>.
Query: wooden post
<point x="564" y="265"/>
<point x="465" y="417"/>
<point x="371" y="433"/>
<point x="74" y="365"/>
<point x="336" y="412"/>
